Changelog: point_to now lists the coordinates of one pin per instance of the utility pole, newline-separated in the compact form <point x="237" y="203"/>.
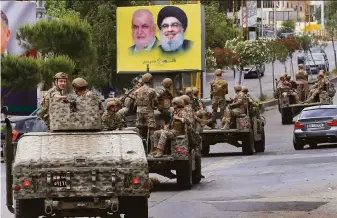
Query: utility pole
<point x="274" y="18"/>
<point x="244" y="16"/>
<point x="322" y="16"/>
<point x="261" y="18"/>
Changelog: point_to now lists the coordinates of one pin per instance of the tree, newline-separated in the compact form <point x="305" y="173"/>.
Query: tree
<point x="331" y="23"/>
<point x="59" y="8"/>
<point x="288" y="26"/>
<point x="291" y="45"/>
<point x="19" y="73"/>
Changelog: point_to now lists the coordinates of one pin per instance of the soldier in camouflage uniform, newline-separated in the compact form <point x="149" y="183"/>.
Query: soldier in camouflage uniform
<point x="320" y="86"/>
<point x="60" y="83"/>
<point x="284" y="83"/>
<point x="146" y="102"/>
<point x="175" y="128"/>
<point x="80" y="88"/>
<point x="302" y="83"/>
<point x="165" y="99"/>
<point x="129" y="102"/>
<point x="113" y="117"/>
<point x="196" y="102"/>
<point x="238" y="107"/>
<point x="188" y="109"/>
<point x="219" y="90"/>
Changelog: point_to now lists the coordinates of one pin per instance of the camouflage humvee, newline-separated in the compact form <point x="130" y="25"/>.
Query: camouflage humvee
<point x="247" y="132"/>
<point x="288" y="107"/>
<point x="76" y="170"/>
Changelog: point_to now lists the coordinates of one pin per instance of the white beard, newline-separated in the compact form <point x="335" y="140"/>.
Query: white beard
<point x="173" y="44"/>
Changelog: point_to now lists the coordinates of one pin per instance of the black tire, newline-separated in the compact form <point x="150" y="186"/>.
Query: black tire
<point x="184" y="174"/>
<point x="287" y="117"/>
<point x="196" y="174"/>
<point x="298" y="145"/>
<point x="313" y="145"/>
<point x="134" y="207"/>
<point x="248" y="144"/>
<point x="260" y="146"/>
<point x="29" y="208"/>
<point x="205" y="149"/>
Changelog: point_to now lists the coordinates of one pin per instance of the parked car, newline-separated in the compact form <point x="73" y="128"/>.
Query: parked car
<point x="21" y="125"/>
<point x="315" y="125"/>
<point x="316" y="62"/>
<point x="314" y="50"/>
<point x="253" y="71"/>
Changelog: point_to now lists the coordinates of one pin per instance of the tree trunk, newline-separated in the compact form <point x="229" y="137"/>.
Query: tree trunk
<point x="292" y="66"/>
<point x="234" y="72"/>
<point x="261" y="93"/>
<point x="273" y="75"/>
<point x="240" y="78"/>
<point x="285" y="66"/>
<point x="334" y="51"/>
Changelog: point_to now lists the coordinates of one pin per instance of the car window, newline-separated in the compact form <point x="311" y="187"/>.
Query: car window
<point x="25" y="125"/>
<point x="321" y="112"/>
<point x="39" y="126"/>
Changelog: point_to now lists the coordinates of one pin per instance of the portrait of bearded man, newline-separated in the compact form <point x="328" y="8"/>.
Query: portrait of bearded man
<point x="172" y="22"/>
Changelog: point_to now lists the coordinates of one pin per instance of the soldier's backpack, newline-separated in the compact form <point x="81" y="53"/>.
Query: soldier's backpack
<point x="331" y="90"/>
<point x="219" y="87"/>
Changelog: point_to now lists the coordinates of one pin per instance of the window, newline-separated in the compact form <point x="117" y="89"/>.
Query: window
<point x="320" y="112"/>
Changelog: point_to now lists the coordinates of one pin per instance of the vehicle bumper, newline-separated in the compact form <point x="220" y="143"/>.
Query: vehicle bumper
<point x="316" y="137"/>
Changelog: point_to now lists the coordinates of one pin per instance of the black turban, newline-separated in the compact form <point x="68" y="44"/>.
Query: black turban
<point x="172" y="11"/>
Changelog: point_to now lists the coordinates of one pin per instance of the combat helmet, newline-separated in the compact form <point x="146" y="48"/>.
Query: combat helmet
<point x="167" y="82"/>
<point x="146" y="78"/>
<point x="218" y="72"/>
<point x="245" y="89"/>
<point x="320" y="74"/>
<point x="283" y="75"/>
<point x="178" y="101"/>
<point x="238" y="88"/>
<point x="187" y="100"/>
<point x="188" y="90"/>
<point x="195" y="90"/>
<point x="113" y="102"/>
<point x="79" y="83"/>
<point x="60" y="75"/>
<point x="301" y="66"/>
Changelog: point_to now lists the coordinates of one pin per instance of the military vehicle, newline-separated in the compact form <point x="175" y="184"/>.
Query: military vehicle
<point x="288" y="107"/>
<point x="77" y="170"/>
<point x="247" y="132"/>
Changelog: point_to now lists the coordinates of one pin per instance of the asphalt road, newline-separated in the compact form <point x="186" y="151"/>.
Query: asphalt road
<point x="267" y="80"/>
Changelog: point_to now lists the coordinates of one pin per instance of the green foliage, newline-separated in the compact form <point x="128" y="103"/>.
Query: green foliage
<point x="277" y="51"/>
<point x="211" y="63"/>
<point x="69" y="36"/>
<point x="54" y="65"/>
<point x="59" y="8"/>
<point x="19" y="73"/>
<point x="305" y="42"/>
<point x="218" y="29"/>
<point x="288" y="26"/>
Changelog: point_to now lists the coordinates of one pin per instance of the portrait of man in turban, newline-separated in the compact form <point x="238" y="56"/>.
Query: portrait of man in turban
<point x="172" y="22"/>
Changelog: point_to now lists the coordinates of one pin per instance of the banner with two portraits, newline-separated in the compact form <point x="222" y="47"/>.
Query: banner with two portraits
<point x="165" y="38"/>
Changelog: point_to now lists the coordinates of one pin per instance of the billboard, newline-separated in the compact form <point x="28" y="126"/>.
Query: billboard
<point x="13" y="15"/>
<point x="165" y="38"/>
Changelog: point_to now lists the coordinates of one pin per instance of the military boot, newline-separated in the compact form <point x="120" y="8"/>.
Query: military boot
<point x="159" y="153"/>
<point x="154" y="151"/>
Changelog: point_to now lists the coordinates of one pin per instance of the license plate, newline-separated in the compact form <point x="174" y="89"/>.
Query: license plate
<point x="315" y="125"/>
<point x="59" y="180"/>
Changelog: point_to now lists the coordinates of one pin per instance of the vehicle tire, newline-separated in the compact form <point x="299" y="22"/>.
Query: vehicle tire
<point x="29" y="208"/>
<point x="205" y="149"/>
<point x="313" y="145"/>
<point x="286" y="116"/>
<point x="196" y="174"/>
<point x="134" y="207"/>
<point x="260" y="145"/>
<point x="298" y="145"/>
<point x="184" y="174"/>
<point x="248" y="144"/>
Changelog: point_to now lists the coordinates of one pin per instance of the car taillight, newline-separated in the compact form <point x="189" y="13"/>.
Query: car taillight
<point x="298" y="125"/>
<point x="332" y="123"/>
<point x="15" y="135"/>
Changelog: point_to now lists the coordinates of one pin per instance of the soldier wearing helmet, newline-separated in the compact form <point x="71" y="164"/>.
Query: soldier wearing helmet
<point x="320" y="86"/>
<point x="196" y="102"/>
<point x="113" y="117"/>
<point x="302" y="85"/>
<point x="219" y="90"/>
<point x="284" y="83"/>
<point x="164" y="99"/>
<point x="188" y="108"/>
<point x="175" y="128"/>
<point x="129" y="101"/>
<point x="238" y="107"/>
<point x="146" y="102"/>
<point x="60" y="83"/>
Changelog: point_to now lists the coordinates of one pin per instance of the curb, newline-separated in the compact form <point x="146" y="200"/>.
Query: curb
<point x="265" y="104"/>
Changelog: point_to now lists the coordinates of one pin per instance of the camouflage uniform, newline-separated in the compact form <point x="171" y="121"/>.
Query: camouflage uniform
<point x="146" y="101"/>
<point x="114" y="120"/>
<point x="302" y="83"/>
<point x="165" y="99"/>
<point x="219" y="89"/>
<point x="238" y="107"/>
<point x="176" y="128"/>
<point x="196" y="102"/>
<point x="44" y="114"/>
<point x="283" y="83"/>
<point x="129" y="102"/>
<point x="320" y="86"/>
<point x="189" y="112"/>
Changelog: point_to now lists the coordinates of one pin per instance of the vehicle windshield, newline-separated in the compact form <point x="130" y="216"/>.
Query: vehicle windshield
<point x="314" y="57"/>
<point x="315" y="50"/>
<point x="31" y="125"/>
<point x="320" y="112"/>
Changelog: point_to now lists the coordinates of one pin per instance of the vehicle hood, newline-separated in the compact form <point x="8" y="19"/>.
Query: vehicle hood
<point x="316" y="62"/>
<point x="117" y="149"/>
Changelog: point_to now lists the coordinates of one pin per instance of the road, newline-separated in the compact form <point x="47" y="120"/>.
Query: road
<point x="267" y="80"/>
